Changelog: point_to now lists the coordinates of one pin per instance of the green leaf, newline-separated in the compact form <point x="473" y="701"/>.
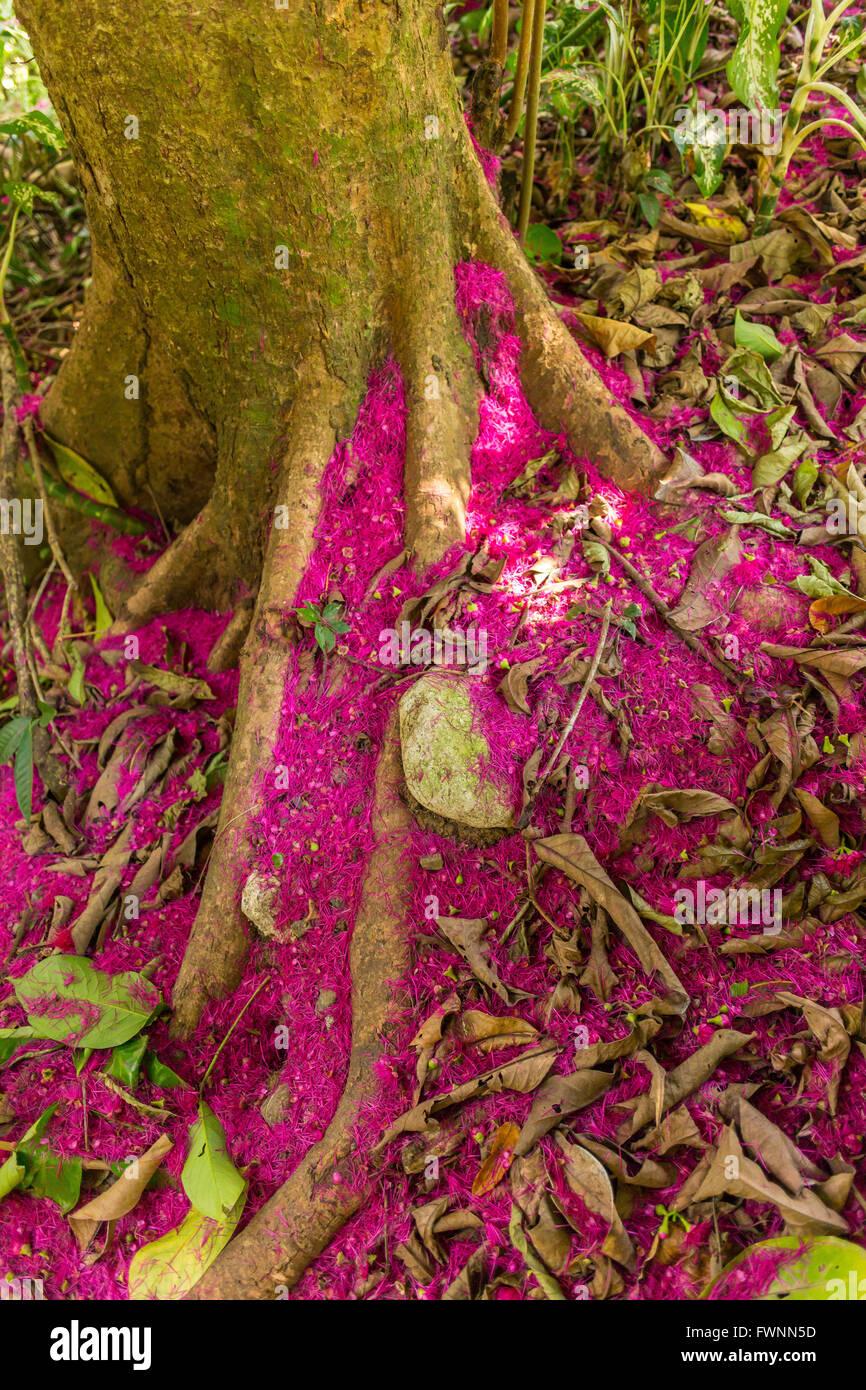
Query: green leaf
<point x="169" y="1267"/>
<point x="77" y="473"/>
<point x="23" y="774"/>
<point x="210" y="1179"/>
<point x="76" y="680"/>
<point x="728" y="422"/>
<point x="12" y="1174"/>
<point x="756" y="337"/>
<point x="749" y="370"/>
<point x="10" y="737"/>
<point x="103" y="617"/>
<point x="805" y="477"/>
<point x="13" y="1038"/>
<point x="20" y="194"/>
<point x="703" y="137"/>
<point x="821" y="583"/>
<point x="542" y="244"/>
<point x="161" y="1075"/>
<point x="650" y="207"/>
<point x="754" y="64"/>
<point x="777" y="423"/>
<point x="126" y="1061"/>
<point x="765" y="523"/>
<point x="50" y="1175"/>
<point x="771" y="468"/>
<point x="826" y="1270"/>
<point x="324" y="637"/>
<point x="37" y="124"/>
<point x="308" y="614"/>
<point x="67" y="999"/>
<point x="14" y="1170"/>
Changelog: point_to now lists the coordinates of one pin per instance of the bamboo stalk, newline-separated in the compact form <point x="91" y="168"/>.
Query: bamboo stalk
<point x="531" y="128"/>
<point x="499" y="33"/>
<point x="520" y="72"/>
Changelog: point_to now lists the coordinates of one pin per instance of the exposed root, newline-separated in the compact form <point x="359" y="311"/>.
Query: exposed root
<point x="561" y="387"/>
<point x="442" y="393"/>
<point x="309" y="1209"/>
<point x="218" y="943"/>
<point x="197" y="560"/>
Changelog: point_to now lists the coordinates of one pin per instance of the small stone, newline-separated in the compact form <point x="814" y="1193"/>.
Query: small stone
<point x="431" y="862"/>
<point x="326" y="1000"/>
<point x="274" y="1107"/>
<point x="257" y="903"/>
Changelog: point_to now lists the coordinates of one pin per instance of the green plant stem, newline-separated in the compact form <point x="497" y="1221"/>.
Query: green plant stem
<point x="228" y="1035"/>
<point x="100" y="511"/>
<point x="531" y="128"/>
<point x="819" y="30"/>
<point x="520" y="72"/>
<point x="499" y="33"/>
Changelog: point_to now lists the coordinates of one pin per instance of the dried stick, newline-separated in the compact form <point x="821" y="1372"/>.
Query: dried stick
<point x="662" y="608"/>
<point x="554" y="757"/>
<point x="36" y="464"/>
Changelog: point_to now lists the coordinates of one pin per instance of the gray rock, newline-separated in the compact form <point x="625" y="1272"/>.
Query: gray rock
<point x="275" y="1107"/>
<point x="326" y="1000"/>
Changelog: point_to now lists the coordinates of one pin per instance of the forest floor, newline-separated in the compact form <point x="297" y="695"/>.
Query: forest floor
<point x="599" y="1095"/>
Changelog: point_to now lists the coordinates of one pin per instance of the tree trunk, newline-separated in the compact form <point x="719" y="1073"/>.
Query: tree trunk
<point x="278" y="196"/>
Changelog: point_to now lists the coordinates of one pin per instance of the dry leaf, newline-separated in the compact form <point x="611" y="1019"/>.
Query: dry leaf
<point x="498" y="1160"/>
<point x="121" y="1196"/>
<point x="588" y="1179"/>
<point x="467" y="937"/>
<point x="614" y="337"/>
<point x="835" y="604"/>
<point x="732" y="1172"/>
<point x="522" y="1074"/>
<point x="513" y="688"/>
<point x="825" y="821"/>
<point x="573" y="856"/>
<point x="558" y="1097"/>
<point x="475" y="1026"/>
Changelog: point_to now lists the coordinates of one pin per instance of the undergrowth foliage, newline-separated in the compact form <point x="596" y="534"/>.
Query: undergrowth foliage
<point x="627" y="1058"/>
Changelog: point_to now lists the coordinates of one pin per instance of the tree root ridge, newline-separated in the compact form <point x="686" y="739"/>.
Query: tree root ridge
<point x="324" y="1191"/>
<point x="219" y="940"/>
<point x="562" y="388"/>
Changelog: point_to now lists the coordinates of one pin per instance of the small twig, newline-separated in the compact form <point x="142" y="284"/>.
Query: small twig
<point x="664" y="611"/>
<point x="585" y="689"/>
<point x="531" y="891"/>
<point x="588" y="680"/>
<point x="34" y="604"/>
<point x="229" y="1033"/>
<point x="159" y="514"/>
<point x="36" y="464"/>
